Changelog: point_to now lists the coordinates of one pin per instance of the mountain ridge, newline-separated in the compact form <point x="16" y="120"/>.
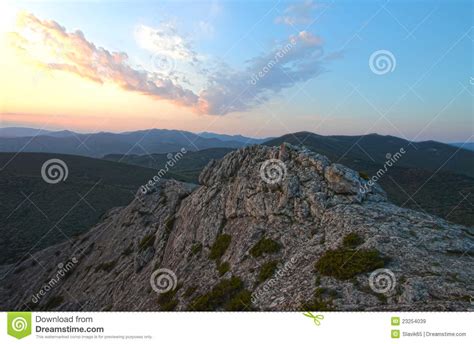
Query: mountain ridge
<point x="282" y="208"/>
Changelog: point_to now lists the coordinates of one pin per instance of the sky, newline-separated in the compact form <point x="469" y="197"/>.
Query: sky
<point x="257" y="68"/>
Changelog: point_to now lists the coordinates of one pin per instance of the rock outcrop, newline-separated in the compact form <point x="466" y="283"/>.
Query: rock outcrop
<point x="278" y="228"/>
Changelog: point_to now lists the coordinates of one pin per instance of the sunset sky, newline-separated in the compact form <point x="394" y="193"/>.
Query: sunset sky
<point x="258" y="68"/>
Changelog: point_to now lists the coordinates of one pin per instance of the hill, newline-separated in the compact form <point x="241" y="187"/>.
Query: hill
<point x="187" y="169"/>
<point x="297" y="233"/>
<point x="430" y="176"/>
<point x="465" y="145"/>
<point x="428" y="155"/>
<point x="408" y="184"/>
<point x="238" y="138"/>
<point x="100" y="144"/>
<point x="31" y="208"/>
<point x="22" y="132"/>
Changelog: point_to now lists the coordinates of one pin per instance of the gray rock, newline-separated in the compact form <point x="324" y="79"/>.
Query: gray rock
<point x="308" y="212"/>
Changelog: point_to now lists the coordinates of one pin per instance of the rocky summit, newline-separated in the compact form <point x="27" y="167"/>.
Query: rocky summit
<point x="267" y="228"/>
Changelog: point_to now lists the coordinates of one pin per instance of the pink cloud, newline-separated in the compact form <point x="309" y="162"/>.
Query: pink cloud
<point x="71" y="52"/>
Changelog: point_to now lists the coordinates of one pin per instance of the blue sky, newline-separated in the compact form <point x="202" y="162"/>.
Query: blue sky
<point x="331" y="88"/>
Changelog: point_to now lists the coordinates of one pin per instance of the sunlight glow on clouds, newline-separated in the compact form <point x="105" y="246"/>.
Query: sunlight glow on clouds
<point x="52" y="47"/>
<point x="236" y="66"/>
<point x="165" y="40"/>
<point x="48" y="45"/>
<point x="297" y="59"/>
<point x="299" y="13"/>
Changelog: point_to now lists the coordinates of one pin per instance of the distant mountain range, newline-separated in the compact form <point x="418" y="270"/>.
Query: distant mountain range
<point x="236" y="138"/>
<point x="465" y="145"/>
<point x="30" y="132"/>
<point x="375" y="149"/>
<point x="430" y="176"/>
<point x="103" y="143"/>
<point x="187" y="169"/>
<point x="151" y="141"/>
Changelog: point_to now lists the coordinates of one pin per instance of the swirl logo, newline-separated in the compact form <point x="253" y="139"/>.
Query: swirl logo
<point x="382" y="62"/>
<point x="273" y="171"/>
<point x="54" y="171"/>
<point x="382" y="281"/>
<point x="19" y="324"/>
<point x="162" y="65"/>
<point x="163" y="280"/>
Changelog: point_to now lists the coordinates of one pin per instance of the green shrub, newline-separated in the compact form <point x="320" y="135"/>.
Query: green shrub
<point x="267" y="270"/>
<point x="364" y="175"/>
<point x="345" y="263"/>
<point x="240" y="302"/>
<point x="107" y="266"/>
<point x="167" y="301"/>
<point x="147" y="241"/>
<point x="190" y="291"/>
<point x="127" y="251"/>
<point x="196" y="248"/>
<point x="382" y="298"/>
<point x="319" y="302"/>
<point x="169" y="223"/>
<point x="163" y="198"/>
<point x="352" y="240"/>
<point x="220" y="246"/>
<point x="320" y="291"/>
<point x="265" y="246"/>
<point x="223" y="268"/>
<point x="226" y="294"/>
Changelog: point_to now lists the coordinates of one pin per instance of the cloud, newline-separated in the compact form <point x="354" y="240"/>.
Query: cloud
<point x="223" y="90"/>
<point x="165" y="41"/>
<point x="300" y="13"/>
<point x="206" y="29"/>
<point x="296" y="60"/>
<point x="50" y="46"/>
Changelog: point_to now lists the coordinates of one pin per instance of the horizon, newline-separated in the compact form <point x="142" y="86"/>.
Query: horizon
<point x="259" y="69"/>
<point x="225" y="134"/>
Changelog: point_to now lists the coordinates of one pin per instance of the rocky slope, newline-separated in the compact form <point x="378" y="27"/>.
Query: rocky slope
<point x="292" y="233"/>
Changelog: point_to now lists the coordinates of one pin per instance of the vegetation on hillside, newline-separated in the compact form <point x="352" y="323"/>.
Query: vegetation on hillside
<point x="35" y="214"/>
